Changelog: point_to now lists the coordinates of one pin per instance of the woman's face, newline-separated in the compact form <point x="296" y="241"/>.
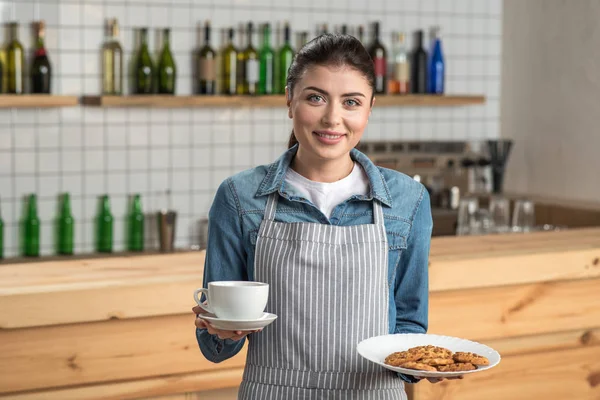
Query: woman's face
<point x="330" y="107"/>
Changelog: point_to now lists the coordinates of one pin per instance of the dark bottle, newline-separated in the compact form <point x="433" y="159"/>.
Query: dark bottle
<point x="144" y="70"/>
<point x="1" y="76"/>
<point x="379" y="56"/>
<point x="104" y="227"/>
<point x="248" y="67"/>
<point x="229" y="67"/>
<point x="284" y="60"/>
<point x="15" y="62"/>
<point x="1" y="235"/>
<point x="207" y="65"/>
<point x="267" y="64"/>
<point x="41" y="70"/>
<point x="31" y="229"/>
<point x="136" y="225"/>
<point x="436" y="70"/>
<point x="66" y="227"/>
<point x="167" y="71"/>
<point x="418" y="66"/>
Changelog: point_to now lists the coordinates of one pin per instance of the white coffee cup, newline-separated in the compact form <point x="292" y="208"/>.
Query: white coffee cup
<point x="234" y="300"/>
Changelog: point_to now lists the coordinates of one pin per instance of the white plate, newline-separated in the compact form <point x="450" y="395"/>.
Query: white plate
<point x="376" y="349"/>
<point x="239" y="325"/>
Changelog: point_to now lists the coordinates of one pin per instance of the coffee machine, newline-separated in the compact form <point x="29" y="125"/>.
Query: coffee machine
<point x="448" y="169"/>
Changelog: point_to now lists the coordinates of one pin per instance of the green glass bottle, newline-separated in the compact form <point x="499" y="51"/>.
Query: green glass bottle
<point x="1" y="73"/>
<point x="144" y="70"/>
<point x="66" y="227"/>
<point x="248" y="67"/>
<point x="167" y="70"/>
<point x="41" y="70"/>
<point x="31" y="229"/>
<point x="284" y="60"/>
<point x="112" y="62"/>
<point x="267" y="64"/>
<point x="104" y="227"/>
<point x="1" y="236"/>
<point x="15" y="60"/>
<point x="207" y="66"/>
<point x="136" y="225"/>
<point x="229" y="66"/>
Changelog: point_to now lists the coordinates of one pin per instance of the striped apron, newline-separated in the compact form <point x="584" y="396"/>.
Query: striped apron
<point x="328" y="285"/>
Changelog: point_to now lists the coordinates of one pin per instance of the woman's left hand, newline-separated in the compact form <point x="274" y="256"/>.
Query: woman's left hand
<point x="437" y="380"/>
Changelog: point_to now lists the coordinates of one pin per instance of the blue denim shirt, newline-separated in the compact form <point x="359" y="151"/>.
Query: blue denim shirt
<point x="238" y="210"/>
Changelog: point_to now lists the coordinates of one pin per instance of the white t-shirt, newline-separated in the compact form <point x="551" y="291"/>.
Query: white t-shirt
<point x="326" y="196"/>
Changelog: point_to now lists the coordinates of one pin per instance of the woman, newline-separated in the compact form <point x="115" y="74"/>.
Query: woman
<point x="351" y="242"/>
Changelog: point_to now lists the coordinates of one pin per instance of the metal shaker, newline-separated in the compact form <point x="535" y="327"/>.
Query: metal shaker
<point x="166" y="230"/>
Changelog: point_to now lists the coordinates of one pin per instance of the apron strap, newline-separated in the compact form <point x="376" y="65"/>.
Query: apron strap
<point x="377" y="213"/>
<point x="271" y="206"/>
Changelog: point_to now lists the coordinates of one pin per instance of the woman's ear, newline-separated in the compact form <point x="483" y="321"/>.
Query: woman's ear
<point x="288" y="101"/>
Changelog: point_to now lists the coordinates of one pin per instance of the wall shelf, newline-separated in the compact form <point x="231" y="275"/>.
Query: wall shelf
<point x="37" y="101"/>
<point x="158" y="101"/>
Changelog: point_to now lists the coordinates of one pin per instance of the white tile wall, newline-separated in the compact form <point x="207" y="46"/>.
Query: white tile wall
<point x="88" y="152"/>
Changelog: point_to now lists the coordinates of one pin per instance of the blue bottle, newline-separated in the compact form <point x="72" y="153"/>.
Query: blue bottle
<point x="436" y="70"/>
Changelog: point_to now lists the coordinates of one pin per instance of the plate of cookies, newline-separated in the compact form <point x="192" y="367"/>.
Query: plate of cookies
<point x="428" y="356"/>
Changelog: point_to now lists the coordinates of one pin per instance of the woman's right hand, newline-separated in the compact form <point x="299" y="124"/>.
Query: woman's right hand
<point x="221" y="334"/>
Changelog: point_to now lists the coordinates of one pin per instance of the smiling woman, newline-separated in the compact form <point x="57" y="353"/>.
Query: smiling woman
<point x="342" y="243"/>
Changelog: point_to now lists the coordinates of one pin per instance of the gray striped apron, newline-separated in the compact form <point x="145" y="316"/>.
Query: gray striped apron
<point x="328" y="285"/>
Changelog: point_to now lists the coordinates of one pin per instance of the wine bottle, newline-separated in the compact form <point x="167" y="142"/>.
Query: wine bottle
<point x="15" y="62"/>
<point x="361" y="34"/>
<point x="436" y="70"/>
<point x="112" y="62"/>
<point x="1" y="236"/>
<point x="248" y="66"/>
<point x="400" y="82"/>
<point x="143" y="79"/>
<point x="41" y="70"/>
<point x="207" y="66"/>
<point x="66" y="227"/>
<point x="136" y="225"/>
<point x="229" y="67"/>
<point x="418" y="75"/>
<point x="104" y="227"/>
<point x="1" y="74"/>
<point x="379" y="56"/>
<point x="267" y="63"/>
<point x="167" y="70"/>
<point x="31" y="229"/>
<point x="284" y="60"/>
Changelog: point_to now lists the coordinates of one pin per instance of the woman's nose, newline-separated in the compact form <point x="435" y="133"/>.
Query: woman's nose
<point x="332" y="116"/>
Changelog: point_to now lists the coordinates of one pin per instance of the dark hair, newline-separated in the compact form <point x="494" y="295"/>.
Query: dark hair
<point x="330" y="50"/>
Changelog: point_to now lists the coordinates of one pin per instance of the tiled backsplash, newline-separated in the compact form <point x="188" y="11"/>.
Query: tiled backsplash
<point x="90" y="151"/>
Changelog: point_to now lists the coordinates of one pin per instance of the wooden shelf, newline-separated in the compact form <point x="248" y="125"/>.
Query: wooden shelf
<point x="158" y="101"/>
<point x="36" y="101"/>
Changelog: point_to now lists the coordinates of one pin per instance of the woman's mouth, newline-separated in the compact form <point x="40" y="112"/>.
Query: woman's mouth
<point x="329" y="137"/>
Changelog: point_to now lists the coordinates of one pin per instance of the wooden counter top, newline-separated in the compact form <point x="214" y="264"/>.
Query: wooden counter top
<point x="121" y="327"/>
<point x="59" y="292"/>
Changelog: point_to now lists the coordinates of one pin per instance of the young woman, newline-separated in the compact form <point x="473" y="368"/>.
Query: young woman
<point x="342" y="243"/>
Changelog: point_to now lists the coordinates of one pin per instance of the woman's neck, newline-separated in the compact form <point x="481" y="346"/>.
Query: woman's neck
<point x="320" y="170"/>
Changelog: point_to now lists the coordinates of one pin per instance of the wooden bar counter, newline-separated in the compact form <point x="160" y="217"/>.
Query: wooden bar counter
<point x="121" y="327"/>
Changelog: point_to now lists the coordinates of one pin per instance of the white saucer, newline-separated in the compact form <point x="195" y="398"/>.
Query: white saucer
<point x="239" y="325"/>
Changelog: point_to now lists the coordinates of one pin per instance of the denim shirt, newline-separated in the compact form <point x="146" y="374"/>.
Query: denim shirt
<point x="238" y="210"/>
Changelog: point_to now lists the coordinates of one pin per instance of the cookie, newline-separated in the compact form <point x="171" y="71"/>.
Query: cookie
<point x="400" y="357"/>
<point x="456" y="367"/>
<point x="432" y="351"/>
<point x="417" y="365"/>
<point x="466" y="357"/>
<point x="436" y="361"/>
